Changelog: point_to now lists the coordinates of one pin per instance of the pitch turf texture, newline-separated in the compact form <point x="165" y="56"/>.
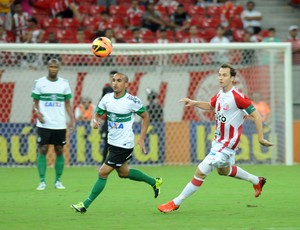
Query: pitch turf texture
<point x="221" y="203"/>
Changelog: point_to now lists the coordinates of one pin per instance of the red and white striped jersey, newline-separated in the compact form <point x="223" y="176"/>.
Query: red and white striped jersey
<point x="230" y="111"/>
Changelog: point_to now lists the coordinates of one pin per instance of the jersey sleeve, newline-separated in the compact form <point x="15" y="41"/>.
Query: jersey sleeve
<point x="137" y="106"/>
<point x="243" y="102"/>
<point x="213" y="101"/>
<point x="101" y="108"/>
<point x="67" y="92"/>
<point x="35" y="93"/>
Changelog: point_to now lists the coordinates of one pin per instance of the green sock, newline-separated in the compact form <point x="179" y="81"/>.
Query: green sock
<point x="59" y="166"/>
<point x="97" y="189"/>
<point x="42" y="165"/>
<point x="137" y="175"/>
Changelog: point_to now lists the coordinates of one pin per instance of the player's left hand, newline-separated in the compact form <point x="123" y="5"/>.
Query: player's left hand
<point x="141" y="143"/>
<point x="95" y="123"/>
<point x="265" y="142"/>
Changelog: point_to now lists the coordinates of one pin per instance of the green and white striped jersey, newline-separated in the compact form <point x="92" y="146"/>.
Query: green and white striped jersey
<point x="120" y="116"/>
<point x="52" y="96"/>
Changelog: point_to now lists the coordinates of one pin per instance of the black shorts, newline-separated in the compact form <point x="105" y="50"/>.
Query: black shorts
<point x="117" y="156"/>
<point x="51" y="136"/>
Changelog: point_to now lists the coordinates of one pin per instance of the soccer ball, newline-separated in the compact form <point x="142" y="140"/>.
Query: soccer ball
<point x="102" y="47"/>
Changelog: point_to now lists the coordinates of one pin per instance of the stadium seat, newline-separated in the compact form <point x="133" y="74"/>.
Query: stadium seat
<point x="114" y="22"/>
<point x="71" y="23"/>
<point x="213" y="10"/>
<point x="236" y="10"/>
<point x="162" y="10"/>
<point x="147" y="35"/>
<point x="237" y="35"/>
<point x="236" y="22"/>
<point x="51" y="24"/>
<point x="66" y="36"/>
<point x="213" y="22"/>
<point x="170" y="10"/>
<point x="89" y="35"/>
<point x="125" y="34"/>
<point x="86" y="2"/>
<point x="83" y="9"/>
<point x="91" y="23"/>
<point x="40" y="14"/>
<point x="118" y="10"/>
<point x="170" y="35"/>
<point x="180" y="35"/>
<point x="208" y="33"/>
<point x="195" y="10"/>
<point x="196" y="20"/>
<point x="95" y="10"/>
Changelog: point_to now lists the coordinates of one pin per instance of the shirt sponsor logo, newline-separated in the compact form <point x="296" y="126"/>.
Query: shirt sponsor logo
<point x="115" y="125"/>
<point x="52" y="104"/>
<point x="220" y="117"/>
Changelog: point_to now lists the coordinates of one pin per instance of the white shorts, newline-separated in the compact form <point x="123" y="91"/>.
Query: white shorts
<point x="215" y="160"/>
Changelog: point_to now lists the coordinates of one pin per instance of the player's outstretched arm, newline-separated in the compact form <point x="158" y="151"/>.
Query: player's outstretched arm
<point x="200" y="104"/>
<point x="259" y="128"/>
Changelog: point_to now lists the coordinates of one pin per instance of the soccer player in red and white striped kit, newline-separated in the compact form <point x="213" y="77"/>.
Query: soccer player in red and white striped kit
<point x="231" y="108"/>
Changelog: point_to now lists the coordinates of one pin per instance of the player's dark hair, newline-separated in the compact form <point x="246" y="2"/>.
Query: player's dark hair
<point x="53" y="60"/>
<point x="113" y="72"/>
<point x="232" y="69"/>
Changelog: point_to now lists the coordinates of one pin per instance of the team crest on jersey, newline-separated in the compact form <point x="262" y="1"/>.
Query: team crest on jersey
<point x="53" y="97"/>
<point x="113" y="117"/>
<point x="225" y="106"/>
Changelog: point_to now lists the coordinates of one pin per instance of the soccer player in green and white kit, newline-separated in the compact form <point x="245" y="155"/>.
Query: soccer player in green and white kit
<point x="120" y="107"/>
<point x="51" y="97"/>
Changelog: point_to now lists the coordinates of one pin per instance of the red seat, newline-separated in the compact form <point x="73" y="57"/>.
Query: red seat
<point x="196" y="20"/>
<point x="238" y="35"/>
<point x="162" y="9"/>
<point x="195" y="10"/>
<point x="213" y="10"/>
<point x="236" y="10"/>
<point x="71" y="23"/>
<point x="125" y="34"/>
<point x="66" y="34"/>
<point x="95" y="10"/>
<point x="147" y="35"/>
<point x="83" y="9"/>
<point x="115" y="21"/>
<point x="236" y="22"/>
<point x="208" y="33"/>
<point x="51" y="23"/>
<point x="119" y="10"/>
<point x="170" y="35"/>
<point x="180" y="35"/>
<point x="210" y="22"/>
<point x="91" y="23"/>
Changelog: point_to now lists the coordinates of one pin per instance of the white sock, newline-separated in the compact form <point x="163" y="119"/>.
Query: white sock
<point x="189" y="189"/>
<point x="240" y="173"/>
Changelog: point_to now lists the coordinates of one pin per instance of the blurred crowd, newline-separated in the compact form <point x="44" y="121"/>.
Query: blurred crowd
<point x="135" y="21"/>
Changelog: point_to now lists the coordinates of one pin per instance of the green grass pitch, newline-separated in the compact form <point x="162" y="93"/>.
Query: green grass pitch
<point x="221" y="203"/>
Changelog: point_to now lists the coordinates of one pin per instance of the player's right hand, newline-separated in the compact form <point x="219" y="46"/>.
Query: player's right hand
<point x="95" y="123"/>
<point x="187" y="101"/>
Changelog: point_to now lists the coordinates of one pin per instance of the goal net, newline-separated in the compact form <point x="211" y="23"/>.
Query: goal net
<point x="163" y="72"/>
